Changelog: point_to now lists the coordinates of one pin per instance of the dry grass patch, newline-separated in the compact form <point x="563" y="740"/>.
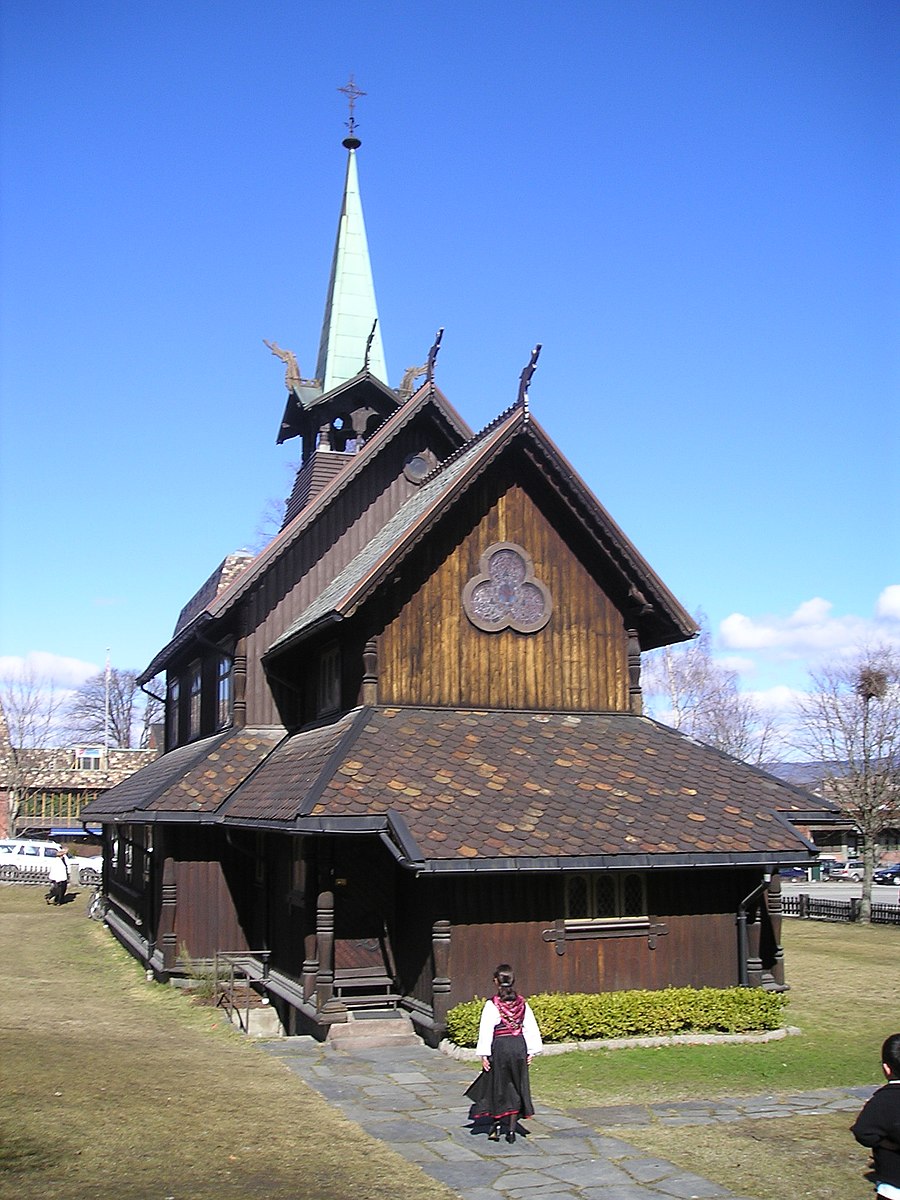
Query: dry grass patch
<point x="117" y="1089"/>
<point x="805" y="1158"/>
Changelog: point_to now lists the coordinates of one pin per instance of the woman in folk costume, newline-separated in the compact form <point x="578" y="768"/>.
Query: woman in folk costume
<point x="508" y="1037"/>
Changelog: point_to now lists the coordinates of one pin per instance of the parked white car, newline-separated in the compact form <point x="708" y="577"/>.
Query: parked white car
<point x="22" y="859"/>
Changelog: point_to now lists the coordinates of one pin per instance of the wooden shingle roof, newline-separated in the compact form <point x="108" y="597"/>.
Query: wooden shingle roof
<point x="464" y="789"/>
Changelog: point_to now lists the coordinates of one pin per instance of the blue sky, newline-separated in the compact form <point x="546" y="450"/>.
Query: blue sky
<point x="693" y="206"/>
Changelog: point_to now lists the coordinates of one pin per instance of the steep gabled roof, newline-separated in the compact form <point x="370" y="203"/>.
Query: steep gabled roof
<point x="659" y="617"/>
<point x="428" y="397"/>
<point x="389" y="546"/>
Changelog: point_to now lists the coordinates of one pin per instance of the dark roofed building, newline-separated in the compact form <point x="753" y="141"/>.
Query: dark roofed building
<point x="406" y="740"/>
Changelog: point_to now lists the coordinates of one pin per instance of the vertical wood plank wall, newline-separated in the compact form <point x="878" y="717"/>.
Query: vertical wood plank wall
<point x="302" y="573"/>
<point x="430" y="653"/>
<point x="698" y="951"/>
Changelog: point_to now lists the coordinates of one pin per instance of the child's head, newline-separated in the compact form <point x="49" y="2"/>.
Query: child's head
<point x="890" y="1056"/>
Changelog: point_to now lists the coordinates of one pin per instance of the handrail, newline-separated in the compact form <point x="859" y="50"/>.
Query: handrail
<point x="249" y="966"/>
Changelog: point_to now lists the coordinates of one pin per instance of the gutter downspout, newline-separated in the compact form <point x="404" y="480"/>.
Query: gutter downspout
<point x="743" y="974"/>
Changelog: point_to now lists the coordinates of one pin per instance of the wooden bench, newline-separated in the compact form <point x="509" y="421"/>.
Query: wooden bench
<point x="365" y="987"/>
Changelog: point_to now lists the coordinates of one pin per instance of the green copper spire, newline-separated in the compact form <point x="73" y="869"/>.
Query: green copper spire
<point x="350" y="309"/>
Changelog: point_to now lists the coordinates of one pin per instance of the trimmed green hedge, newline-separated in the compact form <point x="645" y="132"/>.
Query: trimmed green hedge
<point x="583" y="1017"/>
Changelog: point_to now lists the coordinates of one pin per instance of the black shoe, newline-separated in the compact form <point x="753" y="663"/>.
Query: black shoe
<point x="511" y="1137"/>
<point x="494" y="1135"/>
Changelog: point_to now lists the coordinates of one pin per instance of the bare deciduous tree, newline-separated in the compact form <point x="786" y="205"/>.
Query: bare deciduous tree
<point x="30" y="708"/>
<point x="851" y="720"/>
<point x="693" y="693"/>
<point x="125" y="720"/>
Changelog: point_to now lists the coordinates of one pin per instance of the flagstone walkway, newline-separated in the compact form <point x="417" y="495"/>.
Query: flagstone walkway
<point x="412" y="1099"/>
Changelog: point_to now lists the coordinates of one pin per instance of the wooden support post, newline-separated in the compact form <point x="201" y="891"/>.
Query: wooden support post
<point x="754" y="961"/>
<point x="166" y="934"/>
<point x="370" y="673"/>
<point x="440" y="984"/>
<point x="239" y="682"/>
<point x="773" y="903"/>
<point x="635" y="696"/>
<point x="327" y="1004"/>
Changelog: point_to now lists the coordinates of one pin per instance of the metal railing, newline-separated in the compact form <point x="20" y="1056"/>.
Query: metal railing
<point x="814" y="908"/>
<point x="235" y="973"/>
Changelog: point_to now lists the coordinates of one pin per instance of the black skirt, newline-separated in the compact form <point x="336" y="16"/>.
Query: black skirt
<point x="504" y="1091"/>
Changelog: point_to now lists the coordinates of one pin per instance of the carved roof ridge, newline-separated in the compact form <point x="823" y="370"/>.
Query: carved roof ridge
<point x="497" y="421"/>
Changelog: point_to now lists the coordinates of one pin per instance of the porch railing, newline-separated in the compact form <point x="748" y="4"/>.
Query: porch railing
<point x="235" y="973"/>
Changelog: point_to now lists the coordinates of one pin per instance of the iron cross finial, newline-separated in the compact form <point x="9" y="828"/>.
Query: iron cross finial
<point x="353" y="93"/>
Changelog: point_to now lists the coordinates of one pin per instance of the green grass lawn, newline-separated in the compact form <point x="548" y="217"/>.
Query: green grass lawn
<point x="844" y="985"/>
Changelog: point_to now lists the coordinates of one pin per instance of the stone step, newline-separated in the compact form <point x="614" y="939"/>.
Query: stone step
<point x="373" y="1029"/>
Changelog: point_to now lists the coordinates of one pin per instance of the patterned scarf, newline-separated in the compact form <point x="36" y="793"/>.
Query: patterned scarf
<point x="512" y="1015"/>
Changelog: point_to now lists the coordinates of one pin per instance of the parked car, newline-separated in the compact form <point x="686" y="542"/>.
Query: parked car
<point x="21" y="858"/>
<point x="793" y="873"/>
<point x="827" y="865"/>
<point x="24" y="859"/>
<point x="852" y="870"/>
<point x="889" y="874"/>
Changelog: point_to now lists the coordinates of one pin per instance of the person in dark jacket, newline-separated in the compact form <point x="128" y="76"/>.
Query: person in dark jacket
<point x="878" y="1125"/>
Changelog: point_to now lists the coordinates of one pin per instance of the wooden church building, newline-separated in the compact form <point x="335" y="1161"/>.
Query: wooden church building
<point x="405" y="741"/>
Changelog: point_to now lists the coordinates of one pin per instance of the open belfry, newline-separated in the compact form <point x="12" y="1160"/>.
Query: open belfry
<point x="406" y="739"/>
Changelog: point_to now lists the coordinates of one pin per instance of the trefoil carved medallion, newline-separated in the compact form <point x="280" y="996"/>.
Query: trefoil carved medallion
<point x="505" y="594"/>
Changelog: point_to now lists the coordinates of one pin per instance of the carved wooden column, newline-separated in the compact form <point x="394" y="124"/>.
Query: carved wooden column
<point x="635" y="696"/>
<point x="310" y="969"/>
<point x="440" y="984"/>
<point x="754" y="960"/>
<point x="239" y="683"/>
<point x="166" y="935"/>
<point x="328" y="1006"/>
<point x="309" y="972"/>
<point x="370" y="673"/>
<point x="773" y="903"/>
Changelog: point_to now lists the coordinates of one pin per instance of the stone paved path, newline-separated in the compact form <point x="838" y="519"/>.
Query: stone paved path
<point x="412" y="1099"/>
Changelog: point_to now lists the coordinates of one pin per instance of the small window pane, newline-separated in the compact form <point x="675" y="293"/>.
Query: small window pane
<point x="194" y="696"/>
<point x="577" y="897"/>
<point x="224" y="693"/>
<point x="329" y="681"/>
<point x="172" y="699"/>
<point x="633" y="890"/>
<point x="605" y="892"/>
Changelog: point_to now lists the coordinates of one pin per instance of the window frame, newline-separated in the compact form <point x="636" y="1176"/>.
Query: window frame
<point x="619" y="882"/>
<point x="224" y="689"/>
<point x="195" y="700"/>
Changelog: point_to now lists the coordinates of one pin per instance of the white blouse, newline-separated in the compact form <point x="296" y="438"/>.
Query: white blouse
<point x="490" y="1016"/>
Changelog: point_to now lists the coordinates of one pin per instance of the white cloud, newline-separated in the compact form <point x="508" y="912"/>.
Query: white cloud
<point x="780" y="700"/>
<point x="738" y="663"/>
<point x="47" y="670"/>
<point x="888" y="604"/>
<point x="812" y="631"/>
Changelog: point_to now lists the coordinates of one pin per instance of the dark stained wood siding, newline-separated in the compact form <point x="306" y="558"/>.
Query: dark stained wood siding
<point x="301" y="574"/>
<point x="496" y="920"/>
<point x="430" y="653"/>
<point x="698" y="951"/>
<point x="205" y="917"/>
